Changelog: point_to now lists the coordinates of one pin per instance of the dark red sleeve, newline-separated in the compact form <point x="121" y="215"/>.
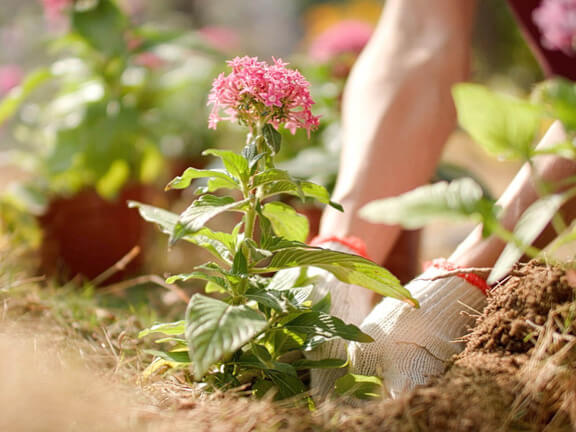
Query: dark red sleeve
<point x="553" y="63"/>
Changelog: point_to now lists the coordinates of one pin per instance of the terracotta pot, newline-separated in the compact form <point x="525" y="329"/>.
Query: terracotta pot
<point x="86" y="234"/>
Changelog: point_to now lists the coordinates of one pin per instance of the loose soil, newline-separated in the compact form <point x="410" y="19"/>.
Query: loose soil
<point x="516" y="373"/>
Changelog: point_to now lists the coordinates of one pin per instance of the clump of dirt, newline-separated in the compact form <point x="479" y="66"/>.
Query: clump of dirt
<point x="517" y="372"/>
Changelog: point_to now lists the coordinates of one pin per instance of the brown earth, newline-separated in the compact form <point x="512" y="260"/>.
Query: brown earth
<point x="515" y="374"/>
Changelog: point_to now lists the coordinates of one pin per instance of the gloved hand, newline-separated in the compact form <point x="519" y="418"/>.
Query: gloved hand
<point x="350" y="303"/>
<point x="411" y="345"/>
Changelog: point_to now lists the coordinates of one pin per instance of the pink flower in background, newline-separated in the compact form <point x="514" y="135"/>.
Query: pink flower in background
<point x="10" y="77"/>
<point x="556" y="19"/>
<point x="256" y="92"/>
<point x="54" y="9"/>
<point x="221" y="38"/>
<point x="346" y="37"/>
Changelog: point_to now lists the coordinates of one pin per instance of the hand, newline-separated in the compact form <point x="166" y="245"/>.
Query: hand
<point x="412" y="345"/>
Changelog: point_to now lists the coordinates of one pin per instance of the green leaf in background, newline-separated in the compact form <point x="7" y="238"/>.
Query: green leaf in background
<point x="359" y="386"/>
<point x="527" y="229"/>
<point x="460" y="199"/>
<point x="102" y="25"/>
<point x="183" y="181"/>
<point x="321" y="324"/>
<point x="285" y="384"/>
<point x="165" y="219"/>
<point x="348" y="268"/>
<point x="286" y="222"/>
<point x="170" y="329"/>
<point x="14" y="99"/>
<point x="558" y="95"/>
<point x="215" y="328"/>
<point x="235" y="164"/>
<point x="171" y="356"/>
<point x="111" y="183"/>
<point x="201" y="211"/>
<point x="504" y="126"/>
<point x="272" y="137"/>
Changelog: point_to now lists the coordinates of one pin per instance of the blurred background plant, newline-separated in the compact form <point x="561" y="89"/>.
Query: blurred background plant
<point x="115" y="103"/>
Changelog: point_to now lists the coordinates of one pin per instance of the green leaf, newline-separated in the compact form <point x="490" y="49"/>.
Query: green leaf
<point x="235" y="164"/>
<point x="215" y="329"/>
<point x="239" y="265"/>
<point x="348" y="268"/>
<point x="183" y="181"/>
<point x="359" y="386"/>
<point x="558" y="95"/>
<point x="302" y="189"/>
<point x="18" y="95"/>
<point x="170" y="329"/>
<point x="281" y="340"/>
<point x="201" y="211"/>
<point x="171" y="356"/>
<point x="111" y="183"/>
<point x="102" y="26"/>
<point x="504" y="126"/>
<point x="272" y="138"/>
<point x="163" y="218"/>
<point x="269" y="176"/>
<point x="286" y="222"/>
<point x="330" y="363"/>
<point x="268" y="298"/>
<point x="286" y="385"/>
<point x="527" y="229"/>
<point x="220" y="281"/>
<point x="315" y="323"/>
<point x="460" y="199"/>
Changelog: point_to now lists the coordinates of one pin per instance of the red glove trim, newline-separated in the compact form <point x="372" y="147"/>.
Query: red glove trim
<point x="471" y="278"/>
<point x="355" y="243"/>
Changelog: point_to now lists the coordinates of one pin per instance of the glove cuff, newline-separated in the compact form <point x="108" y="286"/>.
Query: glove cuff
<point x="471" y="278"/>
<point x="355" y="244"/>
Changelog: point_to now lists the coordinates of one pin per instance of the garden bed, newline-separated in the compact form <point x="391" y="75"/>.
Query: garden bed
<point x="516" y="373"/>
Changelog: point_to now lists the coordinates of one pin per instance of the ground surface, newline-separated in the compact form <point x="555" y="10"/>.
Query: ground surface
<point x="73" y="359"/>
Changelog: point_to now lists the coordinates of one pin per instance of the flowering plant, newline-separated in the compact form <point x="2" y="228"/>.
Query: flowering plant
<point x="245" y="336"/>
<point x="556" y="20"/>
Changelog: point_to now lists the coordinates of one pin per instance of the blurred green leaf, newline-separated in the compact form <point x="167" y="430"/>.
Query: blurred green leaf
<point x="103" y="26"/>
<point x="359" y="386"/>
<point x="170" y="329"/>
<point x="112" y="182"/>
<point x="460" y="199"/>
<point x="14" y="99"/>
<point x="527" y="229"/>
<point x="504" y="126"/>
<point x="559" y="98"/>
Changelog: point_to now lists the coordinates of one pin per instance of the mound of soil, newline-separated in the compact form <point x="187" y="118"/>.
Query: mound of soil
<point x="517" y="372"/>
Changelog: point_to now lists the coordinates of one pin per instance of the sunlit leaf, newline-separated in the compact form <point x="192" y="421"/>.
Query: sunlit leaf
<point x="461" y="199"/>
<point x="235" y="164"/>
<point x="170" y="329"/>
<point x="504" y="126"/>
<point x="165" y="219"/>
<point x="215" y="328"/>
<point x="286" y="222"/>
<point x="321" y="324"/>
<point x="359" y="386"/>
<point x="183" y="181"/>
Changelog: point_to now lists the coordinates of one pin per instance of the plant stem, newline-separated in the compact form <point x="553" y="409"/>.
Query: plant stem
<point x="499" y="231"/>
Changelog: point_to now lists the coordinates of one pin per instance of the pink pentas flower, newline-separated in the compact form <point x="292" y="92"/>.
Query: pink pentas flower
<point x="345" y="37"/>
<point x="256" y="93"/>
<point x="54" y="9"/>
<point x="556" y="20"/>
<point x="10" y="77"/>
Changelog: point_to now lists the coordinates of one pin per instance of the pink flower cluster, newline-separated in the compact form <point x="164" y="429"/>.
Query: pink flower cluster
<point x="258" y="93"/>
<point x="556" y="19"/>
<point x="55" y="8"/>
<point x="346" y="37"/>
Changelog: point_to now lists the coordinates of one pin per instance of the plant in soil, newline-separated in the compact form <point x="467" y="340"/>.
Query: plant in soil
<point x="259" y="313"/>
<point x="507" y="128"/>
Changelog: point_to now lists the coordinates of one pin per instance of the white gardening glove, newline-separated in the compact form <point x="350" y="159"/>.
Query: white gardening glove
<point x="412" y="345"/>
<point x="351" y="304"/>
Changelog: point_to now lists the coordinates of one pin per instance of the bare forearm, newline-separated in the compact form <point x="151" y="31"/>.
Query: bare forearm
<point x="398" y="111"/>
